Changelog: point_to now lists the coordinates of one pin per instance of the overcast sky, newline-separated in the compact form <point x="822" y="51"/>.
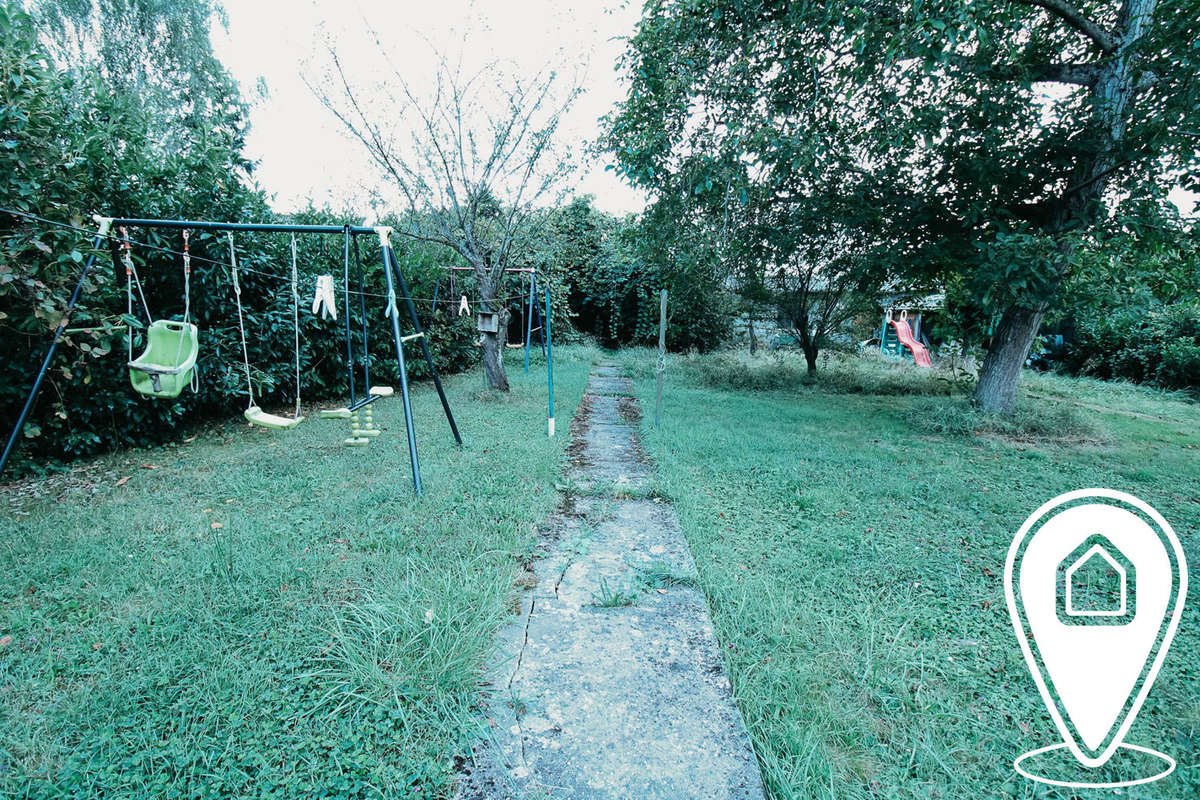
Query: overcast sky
<point x="305" y="153"/>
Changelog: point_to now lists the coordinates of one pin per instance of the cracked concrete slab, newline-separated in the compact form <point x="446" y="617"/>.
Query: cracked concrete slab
<point x="609" y="385"/>
<point x="609" y="684"/>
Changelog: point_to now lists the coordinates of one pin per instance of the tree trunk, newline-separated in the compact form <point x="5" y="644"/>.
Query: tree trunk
<point x="493" y="343"/>
<point x="753" y="338"/>
<point x="810" y="357"/>
<point x="997" y="388"/>
<point x="808" y="342"/>
<point x="493" y="363"/>
<point x="1112" y="93"/>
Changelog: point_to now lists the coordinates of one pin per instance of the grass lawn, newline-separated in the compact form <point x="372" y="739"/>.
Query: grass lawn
<point x="854" y="561"/>
<point x="270" y="614"/>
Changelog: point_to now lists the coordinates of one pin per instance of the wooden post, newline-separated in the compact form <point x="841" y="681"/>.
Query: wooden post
<point x="662" y="357"/>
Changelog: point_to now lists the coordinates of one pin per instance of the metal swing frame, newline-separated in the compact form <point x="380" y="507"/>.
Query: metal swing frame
<point x="395" y="281"/>
<point x="532" y="311"/>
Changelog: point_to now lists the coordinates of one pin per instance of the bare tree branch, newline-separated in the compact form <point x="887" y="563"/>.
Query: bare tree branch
<point x="471" y="156"/>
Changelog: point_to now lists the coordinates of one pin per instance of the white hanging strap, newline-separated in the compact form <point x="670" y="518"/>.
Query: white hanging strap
<point x="237" y="296"/>
<point x="325" y="298"/>
<point x="463" y="306"/>
<point x="296" y="319"/>
<point x="391" y="310"/>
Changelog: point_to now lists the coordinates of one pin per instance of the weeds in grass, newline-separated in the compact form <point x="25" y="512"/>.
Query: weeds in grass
<point x="486" y="396"/>
<point x="325" y="640"/>
<point x="516" y="702"/>
<point x="840" y="373"/>
<point x="1029" y="421"/>
<point x="638" y="362"/>
<point x="1116" y="396"/>
<point x="729" y="371"/>
<point x="663" y="576"/>
<point x="608" y="597"/>
<point x="854" y="567"/>
<point x="872" y="374"/>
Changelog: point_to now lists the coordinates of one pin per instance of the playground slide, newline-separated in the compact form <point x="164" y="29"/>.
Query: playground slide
<point x="905" y="335"/>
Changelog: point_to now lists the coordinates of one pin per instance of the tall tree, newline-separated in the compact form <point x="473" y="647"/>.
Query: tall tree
<point x="157" y="54"/>
<point x="994" y="138"/>
<point x="818" y="284"/>
<point x="1085" y="114"/>
<point x="473" y="158"/>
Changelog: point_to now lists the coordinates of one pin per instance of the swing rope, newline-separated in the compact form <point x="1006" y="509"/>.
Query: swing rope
<point x="269" y="420"/>
<point x="187" y="279"/>
<point x="187" y="306"/>
<point x="237" y="296"/>
<point x="296" y="321"/>
<point x="131" y="278"/>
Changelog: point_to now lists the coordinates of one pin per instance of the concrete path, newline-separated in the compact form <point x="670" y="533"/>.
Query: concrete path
<point x="609" y="684"/>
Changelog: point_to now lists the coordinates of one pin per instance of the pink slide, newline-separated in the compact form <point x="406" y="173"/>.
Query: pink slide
<point x="905" y="334"/>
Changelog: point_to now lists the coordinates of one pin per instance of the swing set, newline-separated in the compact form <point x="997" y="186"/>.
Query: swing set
<point x="488" y="321"/>
<point x="167" y="365"/>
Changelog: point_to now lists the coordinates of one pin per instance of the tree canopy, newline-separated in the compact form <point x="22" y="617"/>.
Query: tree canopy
<point x="991" y="142"/>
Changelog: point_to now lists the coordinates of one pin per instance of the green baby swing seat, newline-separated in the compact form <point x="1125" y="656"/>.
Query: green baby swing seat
<point x="166" y="367"/>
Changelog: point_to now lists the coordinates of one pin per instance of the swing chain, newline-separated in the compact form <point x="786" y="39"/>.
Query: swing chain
<point x="131" y="279"/>
<point x="187" y="278"/>
<point x="131" y="276"/>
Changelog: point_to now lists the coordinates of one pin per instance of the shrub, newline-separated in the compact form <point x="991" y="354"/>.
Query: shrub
<point x="613" y="270"/>
<point x="838" y="373"/>
<point x="1029" y="421"/>
<point x="728" y="371"/>
<point x="1159" y="347"/>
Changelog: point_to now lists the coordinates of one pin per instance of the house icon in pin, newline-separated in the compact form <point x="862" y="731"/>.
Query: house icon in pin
<point x="1096" y="585"/>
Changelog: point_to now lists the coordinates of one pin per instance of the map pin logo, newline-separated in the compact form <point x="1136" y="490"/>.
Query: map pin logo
<point x="1095" y="582"/>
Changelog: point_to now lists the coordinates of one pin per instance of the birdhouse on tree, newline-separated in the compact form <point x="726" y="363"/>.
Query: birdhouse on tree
<point x="487" y="322"/>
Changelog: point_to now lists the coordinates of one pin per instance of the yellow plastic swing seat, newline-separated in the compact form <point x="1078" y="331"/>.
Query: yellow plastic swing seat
<point x="345" y="413"/>
<point x="256" y="416"/>
<point x="166" y="366"/>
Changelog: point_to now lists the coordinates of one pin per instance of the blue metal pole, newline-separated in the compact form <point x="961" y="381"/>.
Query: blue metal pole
<point x="549" y="362"/>
<point x="529" y="316"/>
<point x="346" y="291"/>
<point x="394" y="313"/>
<point x="58" y="332"/>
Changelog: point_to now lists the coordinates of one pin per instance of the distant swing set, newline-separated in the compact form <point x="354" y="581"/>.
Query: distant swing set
<point x="167" y="364"/>
<point x="488" y="321"/>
